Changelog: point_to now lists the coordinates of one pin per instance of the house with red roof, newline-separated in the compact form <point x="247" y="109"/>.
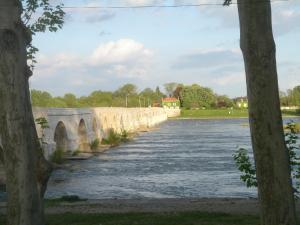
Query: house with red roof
<point x="170" y="103"/>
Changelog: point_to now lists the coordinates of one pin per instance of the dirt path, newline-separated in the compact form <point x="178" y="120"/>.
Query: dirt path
<point x="225" y="205"/>
<point x="222" y="205"/>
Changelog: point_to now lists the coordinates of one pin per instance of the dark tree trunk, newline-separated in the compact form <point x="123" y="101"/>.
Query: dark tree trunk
<point x="271" y="156"/>
<point x="26" y="171"/>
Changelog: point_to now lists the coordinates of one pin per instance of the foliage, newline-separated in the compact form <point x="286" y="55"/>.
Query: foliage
<point x="40" y="98"/>
<point x="244" y="164"/>
<point x="98" y="99"/>
<point x="224" y="101"/>
<point x="191" y="97"/>
<point x="291" y="138"/>
<point x="291" y="97"/>
<point x="42" y="121"/>
<point x="57" y="156"/>
<point x="65" y="198"/>
<point x="94" y="144"/>
<point x="195" y="96"/>
<point x="127" y="89"/>
<point x="70" y="100"/>
<point x="113" y="138"/>
<point x="71" y="198"/>
<point x="40" y="16"/>
<point x="124" y="136"/>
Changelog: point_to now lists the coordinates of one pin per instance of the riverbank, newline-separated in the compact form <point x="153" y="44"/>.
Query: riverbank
<point x="212" y="211"/>
<point x="224" y="114"/>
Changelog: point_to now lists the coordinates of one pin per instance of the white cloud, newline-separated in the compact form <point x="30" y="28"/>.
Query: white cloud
<point x="122" y="58"/>
<point x="122" y="51"/>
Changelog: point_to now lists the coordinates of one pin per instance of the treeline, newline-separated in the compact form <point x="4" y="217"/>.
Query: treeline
<point x="191" y="97"/>
<point x="291" y="97"/>
<point x="125" y="96"/>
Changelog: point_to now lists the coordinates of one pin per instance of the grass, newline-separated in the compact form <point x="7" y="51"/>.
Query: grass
<point x="214" y="113"/>
<point x="291" y="112"/>
<point x="182" y="218"/>
<point x="224" y="113"/>
<point x="95" y="144"/>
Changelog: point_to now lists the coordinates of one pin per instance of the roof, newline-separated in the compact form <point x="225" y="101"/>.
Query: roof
<point x="240" y="99"/>
<point x="169" y="99"/>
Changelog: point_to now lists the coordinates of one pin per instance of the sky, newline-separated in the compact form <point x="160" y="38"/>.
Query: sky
<point x="102" y="49"/>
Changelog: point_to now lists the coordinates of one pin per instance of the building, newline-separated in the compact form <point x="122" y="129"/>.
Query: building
<point x="170" y="103"/>
<point x="241" y="102"/>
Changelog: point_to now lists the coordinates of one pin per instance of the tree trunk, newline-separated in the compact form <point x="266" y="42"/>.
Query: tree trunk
<point x="271" y="156"/>
<point x="17" y="128"/>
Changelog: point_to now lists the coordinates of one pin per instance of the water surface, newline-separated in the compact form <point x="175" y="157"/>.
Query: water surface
<point x="182" y="158"/>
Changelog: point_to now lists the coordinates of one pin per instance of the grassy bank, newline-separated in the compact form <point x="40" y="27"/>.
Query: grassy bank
<point x="223" y="113"/>
<point x="213" y="113"/>
<point x="183" y="218"/>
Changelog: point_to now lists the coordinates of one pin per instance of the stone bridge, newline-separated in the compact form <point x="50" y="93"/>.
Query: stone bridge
<point x="73" y="129"/>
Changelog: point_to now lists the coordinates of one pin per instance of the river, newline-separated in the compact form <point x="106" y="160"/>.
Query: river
<point x="179" y="159"/>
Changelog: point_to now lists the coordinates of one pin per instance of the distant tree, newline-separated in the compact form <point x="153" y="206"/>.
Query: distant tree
<point x="127" y="89"/>
<point x="170" y="88"/>
<point x="177" y="90"/>
<point x="129" y="93"/>
<point x="224" y="101"/>
<point x="283" y="98"/>
<point x="195" y="96"/>
<point x="97" y="99"/>
<point x="296" y="95"/>
<point x="70" y="100"/>
<point x="147" y="96"/>
<point x="41" y="98"/>
<point x="148" y="92"/>
<point x="58" y="102"/>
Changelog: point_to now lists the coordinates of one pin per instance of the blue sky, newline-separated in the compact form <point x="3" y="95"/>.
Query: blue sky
<point x="101" y="49"/>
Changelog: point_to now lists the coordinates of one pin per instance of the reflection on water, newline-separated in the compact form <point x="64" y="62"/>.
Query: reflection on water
<point x="184" y="158"/>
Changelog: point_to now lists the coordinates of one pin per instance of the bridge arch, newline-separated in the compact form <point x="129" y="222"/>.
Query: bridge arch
<point x="61" y="136"/>
<point x="83" y="136"/>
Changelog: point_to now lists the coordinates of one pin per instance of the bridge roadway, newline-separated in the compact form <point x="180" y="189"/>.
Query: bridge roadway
<point x="73" y="129"/>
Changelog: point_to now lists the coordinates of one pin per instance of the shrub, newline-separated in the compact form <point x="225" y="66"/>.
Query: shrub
<point x="112" y="139"/>
<point x="57" y="156"/>
<point x="71" y="198"/>
<point x="94" y="144"/>
<point x="244" y="163"/>
<point x="124" y="136"/>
